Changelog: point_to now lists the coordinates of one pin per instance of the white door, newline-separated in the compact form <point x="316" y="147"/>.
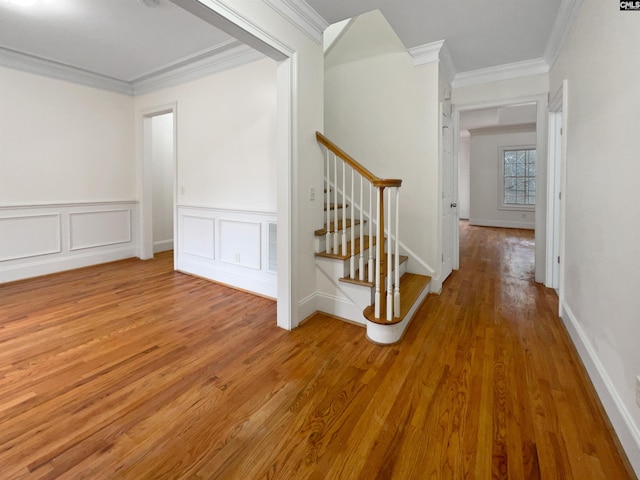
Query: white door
<point x="449" y="206"/>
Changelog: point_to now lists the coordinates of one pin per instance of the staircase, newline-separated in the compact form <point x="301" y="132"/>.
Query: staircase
<point x="363" y="279"/>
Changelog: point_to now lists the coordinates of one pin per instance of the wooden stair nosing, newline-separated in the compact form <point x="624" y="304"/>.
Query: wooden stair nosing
<point x="333" y="206"/>
<point x="411" y="285"/>
<point x="323" y="231"/>
<point x="403" y="258"/>
<point x="368" y="241"/>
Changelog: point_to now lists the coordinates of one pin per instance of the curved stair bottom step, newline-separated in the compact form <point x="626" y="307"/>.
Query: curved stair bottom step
<point x="383" y="333"/>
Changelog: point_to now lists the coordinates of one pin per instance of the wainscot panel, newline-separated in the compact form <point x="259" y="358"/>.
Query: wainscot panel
<point x="42" y="239"/>
<point x="228" y="246"/>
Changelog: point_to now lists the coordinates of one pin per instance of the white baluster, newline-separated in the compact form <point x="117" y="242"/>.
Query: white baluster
<point x="377" y="271"/>
<point x="352" y="260"/>
<point x="396" y="292"/>
<point x="344" y="209"/>
<point x="327" y="201"/>
<point x="371" y="210"/>
<point x="335" y="205"/>
<point x="361" y="260"/>
<point x="389" y="264"/>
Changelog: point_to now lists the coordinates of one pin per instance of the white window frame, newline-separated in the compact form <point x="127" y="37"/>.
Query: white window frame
<point x="513" y="206"/>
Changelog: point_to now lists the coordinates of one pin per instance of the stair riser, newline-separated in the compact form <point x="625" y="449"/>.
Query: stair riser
<point x="320" y="240"/>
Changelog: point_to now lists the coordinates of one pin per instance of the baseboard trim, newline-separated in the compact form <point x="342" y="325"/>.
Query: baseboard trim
<point x="53" y="265"/>
<point x="162" y="245"/>
<point x="238" y="277"/>
<point x="340" y="307"/>
<point x="622" y="422"/>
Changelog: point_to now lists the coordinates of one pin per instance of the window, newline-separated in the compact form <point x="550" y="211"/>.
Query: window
<point x="518" y="178"/>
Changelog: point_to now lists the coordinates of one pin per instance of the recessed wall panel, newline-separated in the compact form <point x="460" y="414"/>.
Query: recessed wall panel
<point x="197" y="236"/>
<point x="240" y="243"/>
<point x="99" y="228"/>
<point x="29" y="236"/>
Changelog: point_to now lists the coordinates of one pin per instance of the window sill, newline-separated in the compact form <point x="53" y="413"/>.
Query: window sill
<point x="518" y="208"/>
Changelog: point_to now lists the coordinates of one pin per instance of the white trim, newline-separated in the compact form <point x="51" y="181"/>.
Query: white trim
<point x="339" y="307"/>
<point x="434" y="52"/>
<point x="221" y="61"/>
<point x="501" y="72"/>
<point x="60" y="71"/>
<point x="481" y="222"/>
<point x="162" y="245"/>
<point x="621" y="420"/>
<point x="512" y="206"/>
<point x="301" y="16"/>
<point x="65" y="258"/>
<point x="308" y="305"/>
<point x="217" y="59"/>
<point x="541" y="102"/>
<point x="565" y="18"/>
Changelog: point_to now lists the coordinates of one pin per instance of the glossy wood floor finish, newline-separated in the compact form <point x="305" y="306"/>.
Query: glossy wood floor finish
<point x="132" y="371"/>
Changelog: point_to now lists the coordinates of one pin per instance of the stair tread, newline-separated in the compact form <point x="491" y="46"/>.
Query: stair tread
<point x="411" y="286"/>
<point x="323" y="230"/>
<point x="333" y="206"/>
<point x="356" y="250"/>
<point x="403" y="258"/>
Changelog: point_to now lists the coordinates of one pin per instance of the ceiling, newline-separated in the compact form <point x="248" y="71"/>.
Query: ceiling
<point x="121" y="39"/>
<point x="478" y="34"/>
<point x="132" y="40"/>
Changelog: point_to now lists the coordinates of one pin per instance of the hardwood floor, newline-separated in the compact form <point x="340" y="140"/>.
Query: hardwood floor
<point x="132" y="371"/>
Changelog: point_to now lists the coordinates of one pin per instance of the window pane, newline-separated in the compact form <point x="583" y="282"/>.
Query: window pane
<point x="519" y="172"/>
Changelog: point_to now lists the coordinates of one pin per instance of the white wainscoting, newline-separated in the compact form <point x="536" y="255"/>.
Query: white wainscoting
<point x="42" y="239"/>
<point x="233" y="247"/>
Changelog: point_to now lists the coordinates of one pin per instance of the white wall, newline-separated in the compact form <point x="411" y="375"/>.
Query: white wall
<point x="464" y="178"/>
<point x="484" y="176"/>
<point x="383" y="111"/>
<point x="226" y="173"/>
<point x="163" y="181"/>
<point x="63" y="143"/>
<point x="226" y="137"/>
<point x="67" y="176"/>
<point x="601" y="259"/>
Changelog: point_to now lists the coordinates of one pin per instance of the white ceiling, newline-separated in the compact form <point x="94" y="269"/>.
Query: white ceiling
<point x="121" y="39"/>
<point x="128" y="41"/>
<point x="478" y="34"/>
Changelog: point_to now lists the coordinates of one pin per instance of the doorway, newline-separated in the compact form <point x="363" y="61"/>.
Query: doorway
<point x="492" y="119"/>
<point x="158" y="211"/>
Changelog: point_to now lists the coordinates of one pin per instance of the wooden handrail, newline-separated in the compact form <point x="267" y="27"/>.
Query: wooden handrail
<point x="375" y="181"/>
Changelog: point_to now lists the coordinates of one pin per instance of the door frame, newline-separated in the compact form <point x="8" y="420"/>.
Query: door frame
<point x="146" y="193"/>
<point x="558" y="113"/>
<point x="541" y="102"/>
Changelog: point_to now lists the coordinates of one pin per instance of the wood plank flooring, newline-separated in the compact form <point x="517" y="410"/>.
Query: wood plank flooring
<point x="132" y="371"/>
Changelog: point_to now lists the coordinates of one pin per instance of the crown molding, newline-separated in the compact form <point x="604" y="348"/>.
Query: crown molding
<point x="239" y="54"/>
<point x="567" y="14"/>
<point x="434" y="52"/>
<point x="222" y="57"/>
<point x="60" y="71"/>
<point x="301" y="16"/>
<point x="501" y="72"/>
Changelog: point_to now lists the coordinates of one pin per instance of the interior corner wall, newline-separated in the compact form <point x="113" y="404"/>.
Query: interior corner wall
<point x="383" y="111"/>
<point x="601" y="254"/>
<point x="63" y="143"/>
<point x="484" y="178"/>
